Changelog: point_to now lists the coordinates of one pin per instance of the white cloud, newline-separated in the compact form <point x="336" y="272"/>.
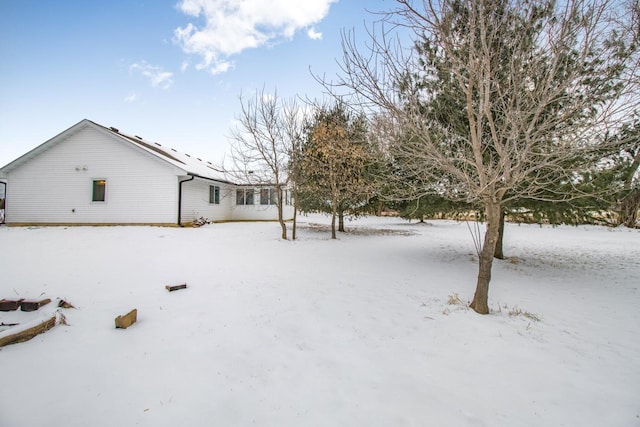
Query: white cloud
<point x="132" y="97"/>
<point x="314" y="34"/>
<point x="231" y="26"/>
<point x="156" y="75"/>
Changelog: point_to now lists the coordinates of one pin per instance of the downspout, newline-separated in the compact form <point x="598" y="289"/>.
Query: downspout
<point x="180" y="198"/>
<point x="4" y="217"/>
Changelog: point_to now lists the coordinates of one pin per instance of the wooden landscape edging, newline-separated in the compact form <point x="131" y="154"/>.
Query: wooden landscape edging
<point x="123" y="322"/>
<point x="22" y="304"/>
<point x="33" y="305"/>
<point x="176" y="287"/>
<point x="27" y="334"/>
<point x="10" y="305"/>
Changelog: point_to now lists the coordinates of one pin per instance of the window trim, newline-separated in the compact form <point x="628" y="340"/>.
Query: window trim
<point x="271" y="198"/>
<point x="93" y="190"/>
<point x="265" y="201"/>
<point x="245" y="192"/>
<point x="214" y="194"/>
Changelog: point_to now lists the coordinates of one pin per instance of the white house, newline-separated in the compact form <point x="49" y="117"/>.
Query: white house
<point x="92" y="174"/>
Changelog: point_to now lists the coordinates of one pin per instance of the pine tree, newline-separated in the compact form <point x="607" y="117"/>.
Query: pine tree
<point x="333" y="167"/>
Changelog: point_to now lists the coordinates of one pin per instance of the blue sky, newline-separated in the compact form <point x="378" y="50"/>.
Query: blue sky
<point x="170" y="71"/>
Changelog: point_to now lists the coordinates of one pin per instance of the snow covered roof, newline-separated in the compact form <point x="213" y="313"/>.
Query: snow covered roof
<point x="192" y="165"/>
<point x="189" y="164"/>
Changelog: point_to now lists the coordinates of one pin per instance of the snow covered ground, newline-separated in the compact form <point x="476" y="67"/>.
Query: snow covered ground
<point x="362" y="331"/>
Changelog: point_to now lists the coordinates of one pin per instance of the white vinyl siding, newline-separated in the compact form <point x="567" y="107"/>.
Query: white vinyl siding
<point x="195" y="201"/>
<point x="56" y="185"/>
<point x="258" y="211"/>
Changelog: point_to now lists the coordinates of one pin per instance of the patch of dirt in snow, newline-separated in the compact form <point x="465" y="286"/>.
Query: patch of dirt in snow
<point x="570" y="261"/>
<point x="358" y="231"/>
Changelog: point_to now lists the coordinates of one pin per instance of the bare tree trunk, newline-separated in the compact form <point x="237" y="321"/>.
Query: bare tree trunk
<point x="333" y="180"/>
<point x="341" y="221"/>
<point x="629" y="209"/>
<point x="283" y="225"/>
<point x="631" y="203"/>
<point x="480" y="299"/>
<point x="499" y="251"/>
<point x="333" y="223"/>
<point x="294" y="227"/>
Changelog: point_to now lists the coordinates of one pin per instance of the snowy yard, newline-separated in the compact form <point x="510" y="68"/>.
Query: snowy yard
<point x="353" y="332"/>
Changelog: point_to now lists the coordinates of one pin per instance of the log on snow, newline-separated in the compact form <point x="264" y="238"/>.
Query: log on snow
<point x="28" y="333"/>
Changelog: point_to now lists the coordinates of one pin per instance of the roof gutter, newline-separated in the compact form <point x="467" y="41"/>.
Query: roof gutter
<point x="222" y="181"/>
<point x="192" y="177"/>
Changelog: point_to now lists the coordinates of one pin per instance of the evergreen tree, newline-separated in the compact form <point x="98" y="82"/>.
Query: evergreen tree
<point x="334" y="165"/>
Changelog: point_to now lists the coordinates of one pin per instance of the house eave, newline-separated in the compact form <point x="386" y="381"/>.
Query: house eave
<point x="44" y="146"/>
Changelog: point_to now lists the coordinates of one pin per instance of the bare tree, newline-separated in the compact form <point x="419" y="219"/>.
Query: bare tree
<point x="525" y="89"/>
<point x="261" y="144"/>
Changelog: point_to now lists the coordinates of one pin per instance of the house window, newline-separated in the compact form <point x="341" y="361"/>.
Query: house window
<point x="244" y="196"/>
<point x="268" y="196"/>
<point x="214" y="194"/>
<point x="99" y="190"/>
<point x="264" y="196"/>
